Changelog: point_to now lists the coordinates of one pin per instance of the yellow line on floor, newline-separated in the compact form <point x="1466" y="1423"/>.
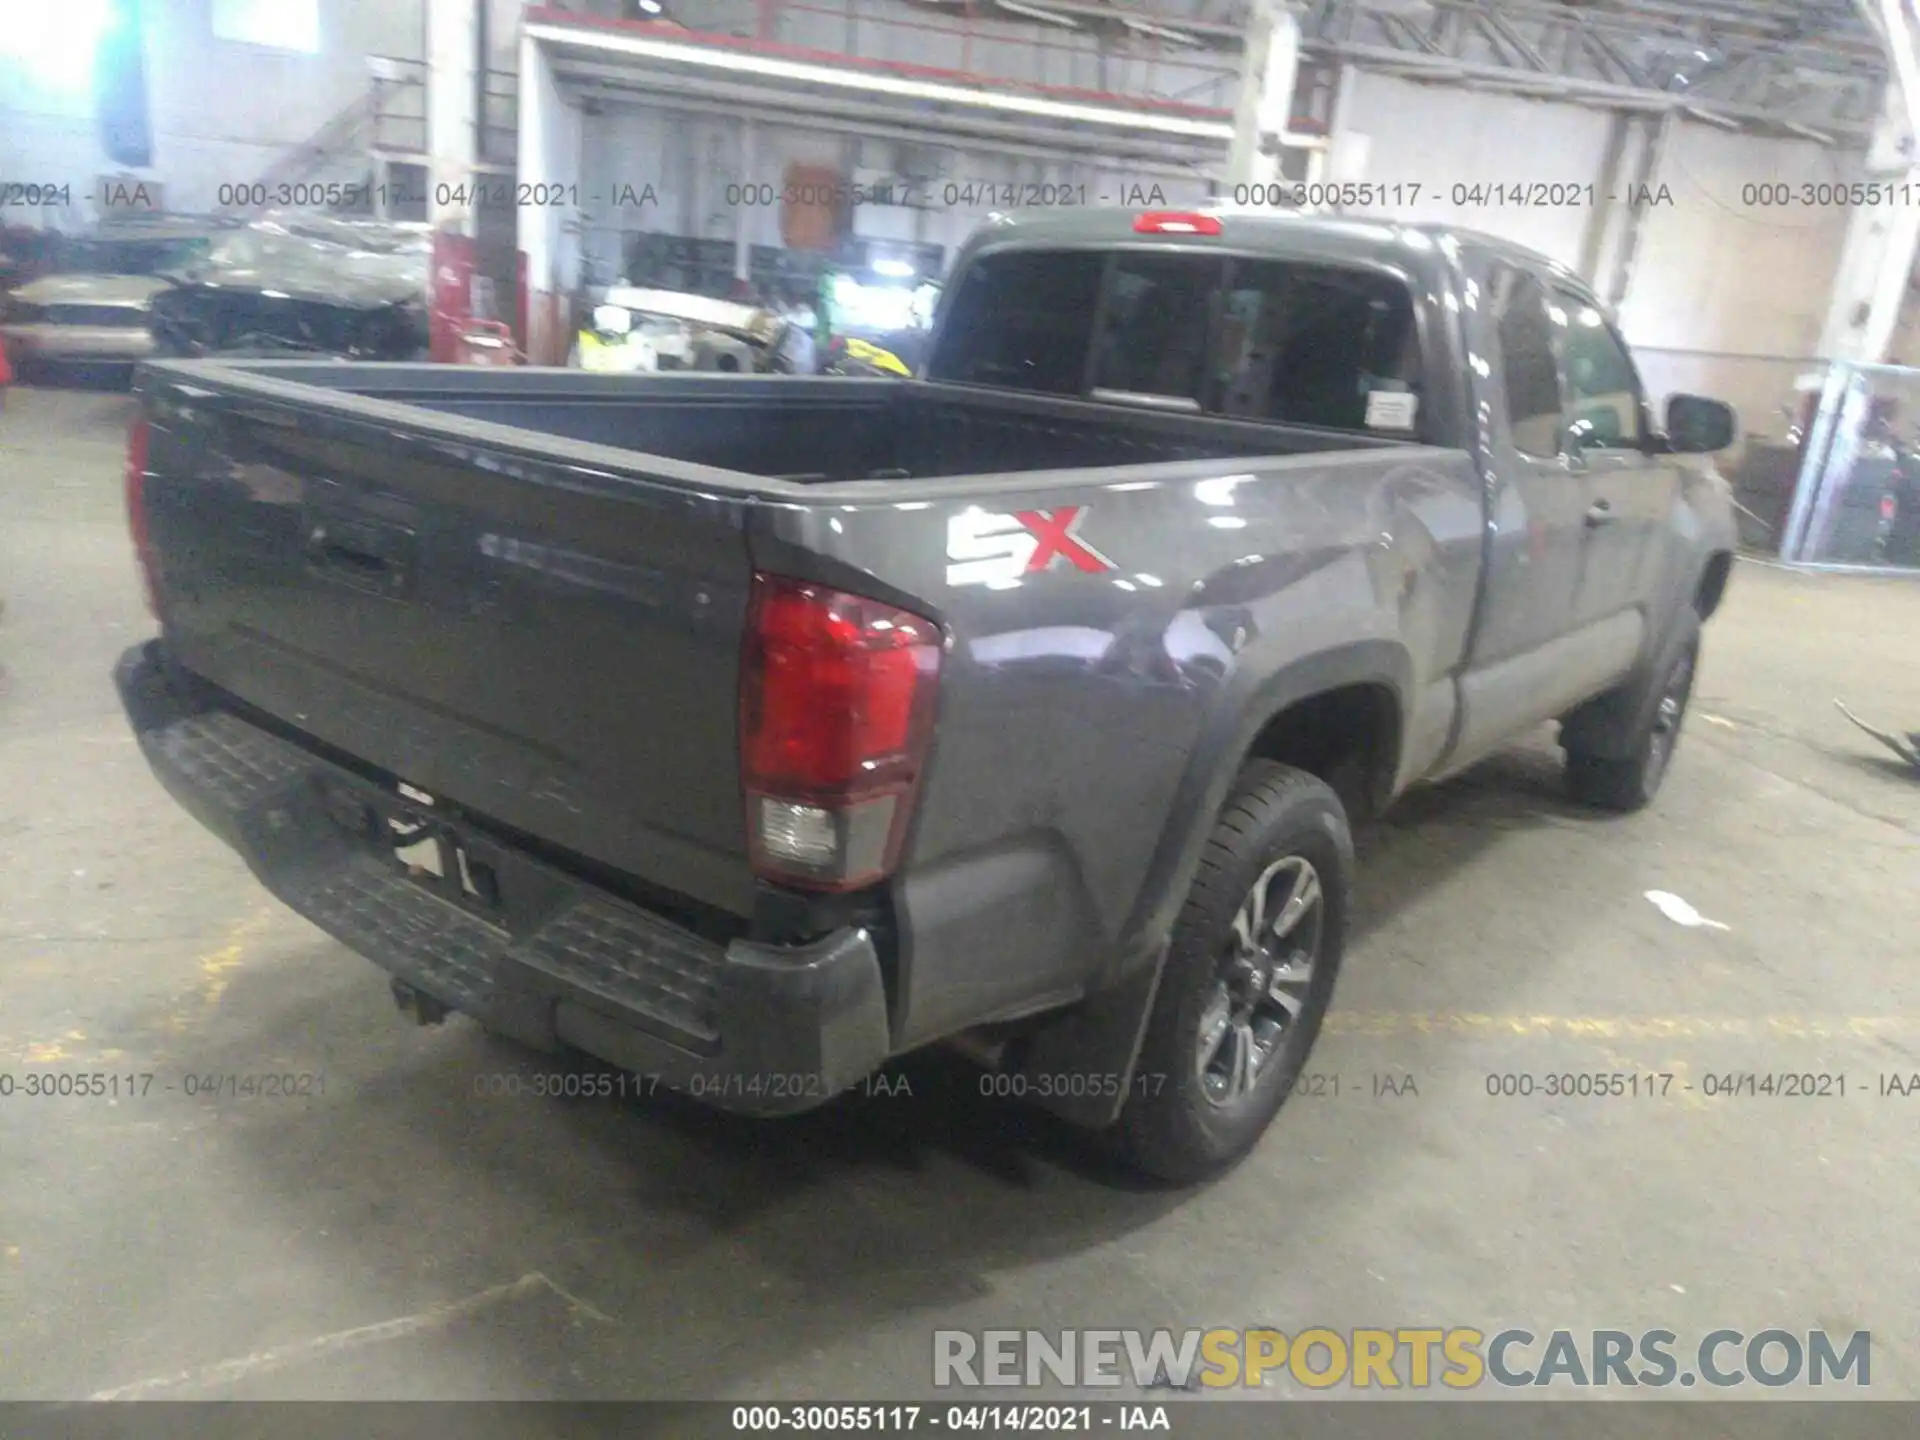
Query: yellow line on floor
<point x="215" y="966"/>
<point x="1458" y="1022"/>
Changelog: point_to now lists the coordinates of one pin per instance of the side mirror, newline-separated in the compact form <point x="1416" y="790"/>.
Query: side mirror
<point x="1699" y="426"/>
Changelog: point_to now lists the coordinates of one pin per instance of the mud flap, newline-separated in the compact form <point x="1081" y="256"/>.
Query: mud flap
<point x="1080" y="1067"/>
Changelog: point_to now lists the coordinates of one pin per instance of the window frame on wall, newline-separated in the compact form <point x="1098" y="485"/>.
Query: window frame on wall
<point x="245" y="22"/>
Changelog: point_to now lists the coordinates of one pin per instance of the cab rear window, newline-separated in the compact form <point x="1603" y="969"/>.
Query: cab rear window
<point x="1281" y="341"/>
<point x="1022" y="321"/>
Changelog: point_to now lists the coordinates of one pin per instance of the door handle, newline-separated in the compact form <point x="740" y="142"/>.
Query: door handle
<point x="1599" y="513"/>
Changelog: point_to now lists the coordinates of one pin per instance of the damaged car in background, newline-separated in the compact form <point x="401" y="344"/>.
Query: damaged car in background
<point x="91" y="301"/>
<point x="302" y="286"/>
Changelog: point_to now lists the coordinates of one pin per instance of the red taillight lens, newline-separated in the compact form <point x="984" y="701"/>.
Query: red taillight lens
<point x="137" y="434"/>
<point x="1176" y="222"/>
<point x="836" y="712"/>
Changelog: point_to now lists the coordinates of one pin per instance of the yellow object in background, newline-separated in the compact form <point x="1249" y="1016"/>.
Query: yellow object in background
<point x="627" y="354"/>
<point x="873" y="355"/>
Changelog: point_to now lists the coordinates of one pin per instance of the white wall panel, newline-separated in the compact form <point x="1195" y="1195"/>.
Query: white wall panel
<point x="1435" y="137"/>
<point x="1718" y="272"/>
<point x="503" y="33"/>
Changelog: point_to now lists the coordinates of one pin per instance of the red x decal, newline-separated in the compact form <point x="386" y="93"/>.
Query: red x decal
<point x="1055" y="532"/>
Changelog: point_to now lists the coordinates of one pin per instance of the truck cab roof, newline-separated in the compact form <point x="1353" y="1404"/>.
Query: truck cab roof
<point x="1410" y="247"/>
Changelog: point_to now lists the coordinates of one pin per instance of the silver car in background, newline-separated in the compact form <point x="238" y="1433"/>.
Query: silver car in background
<point x="81" y="318"/>
<point x="96" y="307"/>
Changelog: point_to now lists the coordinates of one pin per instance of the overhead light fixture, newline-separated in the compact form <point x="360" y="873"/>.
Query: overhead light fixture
<point x="688" y="52"/>
<point x="1807" y="132"/>
<point x="1709" y="117"/>
<point x="1158" y="32"/>
<point x="1034" y="12"/>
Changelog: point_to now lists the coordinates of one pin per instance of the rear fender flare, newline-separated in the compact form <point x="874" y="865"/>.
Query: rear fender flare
<point x="1100" y="1037"/>
<point x="1224" y="745"/>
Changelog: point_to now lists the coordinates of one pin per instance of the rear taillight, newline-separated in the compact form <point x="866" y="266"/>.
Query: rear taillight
<point x="137" y="433"/>
<point x="1175" y="222"/>
<point x="836" y="714"/>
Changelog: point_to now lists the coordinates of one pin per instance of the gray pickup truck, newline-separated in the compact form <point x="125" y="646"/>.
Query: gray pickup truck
<point x="749" y="732"/>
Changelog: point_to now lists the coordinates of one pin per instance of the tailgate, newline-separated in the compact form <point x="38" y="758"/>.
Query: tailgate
<point x="546" y="645"/>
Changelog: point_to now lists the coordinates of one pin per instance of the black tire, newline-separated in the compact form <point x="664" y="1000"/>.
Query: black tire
<point x="1628" y="782"/>
<point x="1184" y="1120"/>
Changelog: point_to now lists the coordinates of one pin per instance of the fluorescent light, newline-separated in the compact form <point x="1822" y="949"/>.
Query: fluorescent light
<point x="1013" y="7"/>
<point x="685" y="53"/>
<point x="1158" y="32"/>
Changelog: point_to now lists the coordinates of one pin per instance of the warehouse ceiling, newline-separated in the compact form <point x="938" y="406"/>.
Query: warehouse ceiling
<point x="1814" y="69"/>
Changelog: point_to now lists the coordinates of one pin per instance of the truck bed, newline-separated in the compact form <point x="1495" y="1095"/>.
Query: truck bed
<point x="808" y="430"/>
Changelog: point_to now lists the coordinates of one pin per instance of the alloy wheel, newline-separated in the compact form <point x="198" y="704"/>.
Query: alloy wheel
<point x="1265" y="974"/>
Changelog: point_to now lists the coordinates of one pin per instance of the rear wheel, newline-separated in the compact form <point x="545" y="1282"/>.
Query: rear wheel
<point x="1248" y="976"/>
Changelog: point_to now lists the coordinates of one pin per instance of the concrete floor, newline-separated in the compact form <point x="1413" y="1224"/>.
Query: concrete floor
<point x="403" y="1237"/>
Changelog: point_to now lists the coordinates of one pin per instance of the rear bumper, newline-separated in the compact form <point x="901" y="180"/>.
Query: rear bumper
<point x="757" y="1029"/>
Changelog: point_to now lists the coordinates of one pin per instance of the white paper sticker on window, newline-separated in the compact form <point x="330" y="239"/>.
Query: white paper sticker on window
<point x="1391" y="410"/>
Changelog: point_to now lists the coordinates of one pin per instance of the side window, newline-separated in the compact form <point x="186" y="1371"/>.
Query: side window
<point x="1318" y="345"/>
<point x="1603" y="392"/>
<point x="1153" y="329"/>
<point x="1529" y="367"/>
<point x="1022" y="320"/>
